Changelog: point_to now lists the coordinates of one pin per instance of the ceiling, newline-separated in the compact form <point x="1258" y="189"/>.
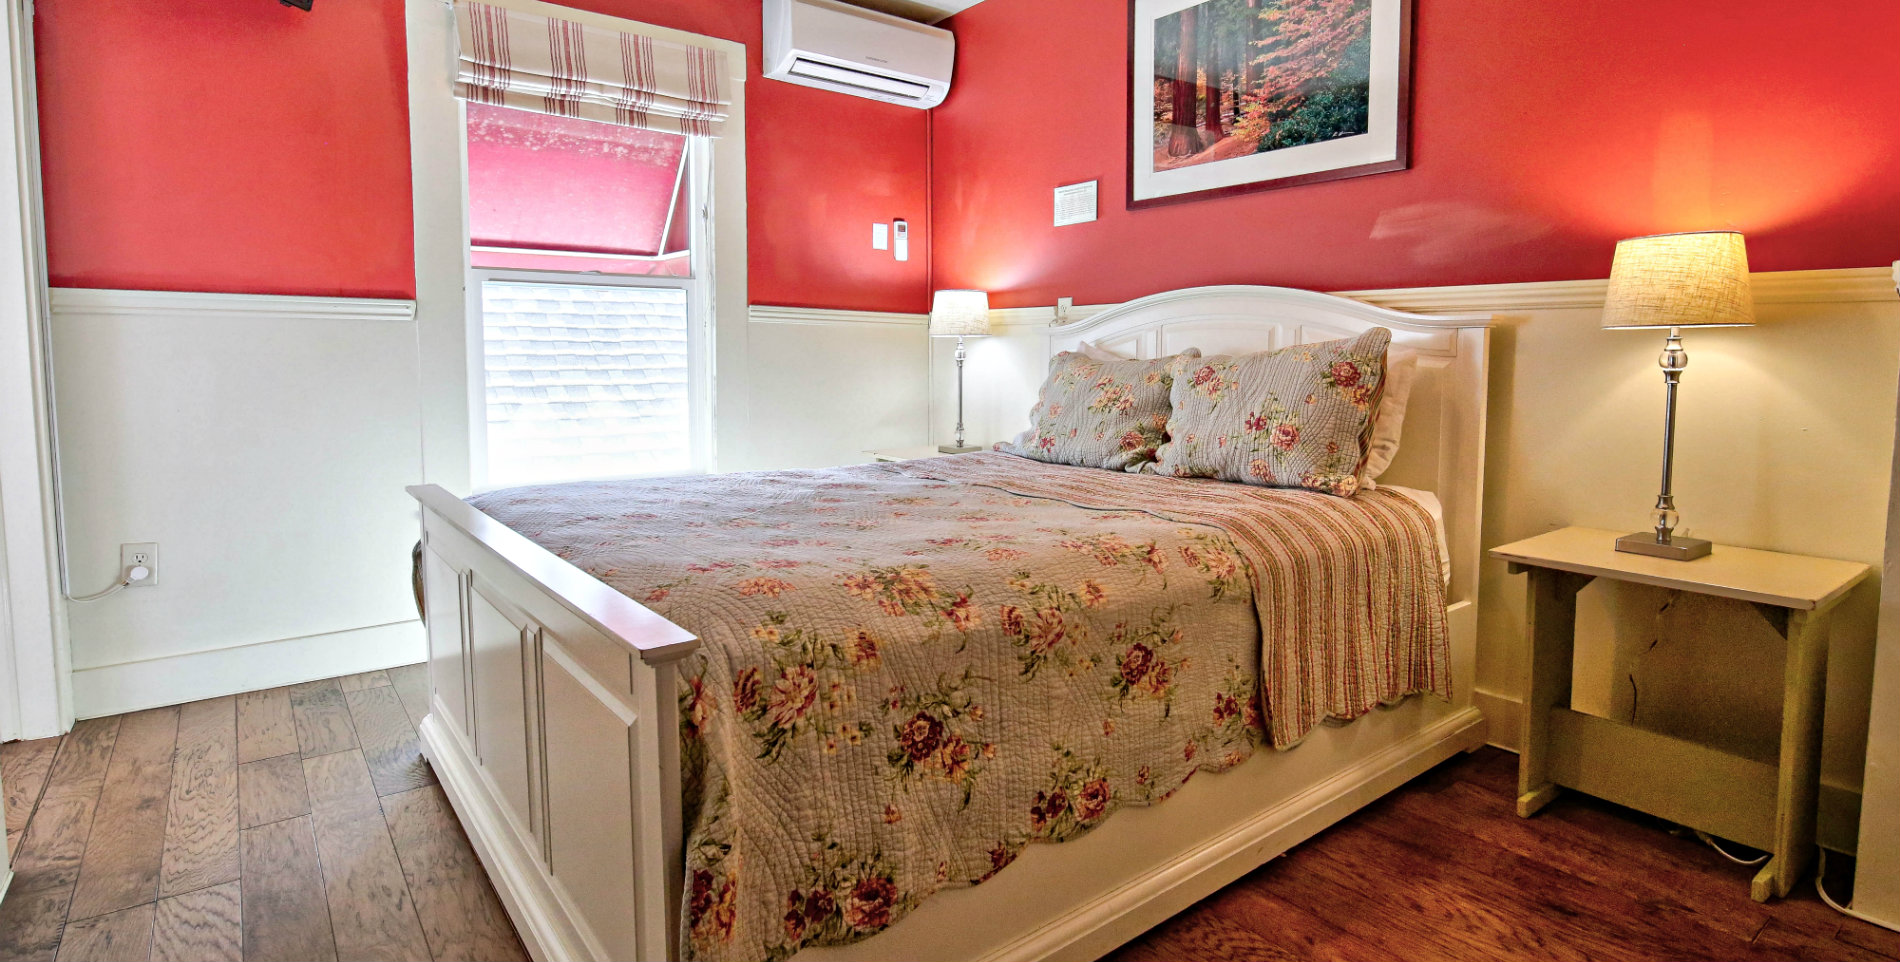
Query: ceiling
<point x="926" y="11"/>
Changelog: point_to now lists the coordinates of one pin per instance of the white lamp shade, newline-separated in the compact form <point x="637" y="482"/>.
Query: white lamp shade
<point x="960" y="314"/>
<point x="1680" y="280"/>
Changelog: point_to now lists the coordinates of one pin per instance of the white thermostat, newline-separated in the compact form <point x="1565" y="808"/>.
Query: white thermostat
<point x="1075" y="204"/>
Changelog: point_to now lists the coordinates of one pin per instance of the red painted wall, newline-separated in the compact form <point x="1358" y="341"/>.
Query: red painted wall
<point x="226" y="145"/>
<point x="242" y="146"/>
<point x="1542" y="133"/>
<point x="821" y="168"/>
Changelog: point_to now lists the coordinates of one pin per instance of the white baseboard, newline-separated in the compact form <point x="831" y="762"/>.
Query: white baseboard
<point x="1506" y="715"/>
<point x="150" y="683"/>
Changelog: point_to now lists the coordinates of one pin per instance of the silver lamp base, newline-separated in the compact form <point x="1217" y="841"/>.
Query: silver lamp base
<point x="958" y="449"/>
<point x="1675" y="549"/>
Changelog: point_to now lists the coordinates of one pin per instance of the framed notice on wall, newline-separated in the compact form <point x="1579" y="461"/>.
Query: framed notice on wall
<point x="1229" y="96"/>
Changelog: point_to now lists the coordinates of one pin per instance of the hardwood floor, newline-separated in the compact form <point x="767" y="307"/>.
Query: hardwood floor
<point x="1445" y="869"/>
<point x="299" y="823"/>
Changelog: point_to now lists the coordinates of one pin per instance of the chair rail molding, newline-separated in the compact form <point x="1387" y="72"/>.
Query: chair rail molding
<point x="766" y="314"/>
<point x="1835" y="286"/>
<point x="267" y="307"/>
<point x="1844" y="285"/>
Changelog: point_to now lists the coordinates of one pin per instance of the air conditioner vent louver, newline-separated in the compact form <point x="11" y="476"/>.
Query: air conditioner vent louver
<point x="864" y="79"/>
<point x="837" y="47"/>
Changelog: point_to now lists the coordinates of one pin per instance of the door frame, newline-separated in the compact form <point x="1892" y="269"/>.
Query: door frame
<point x="1877" y="856"/>
<point x="35" y="661"/>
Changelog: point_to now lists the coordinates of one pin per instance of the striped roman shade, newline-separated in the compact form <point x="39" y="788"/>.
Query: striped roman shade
<point x="516" y="59"/>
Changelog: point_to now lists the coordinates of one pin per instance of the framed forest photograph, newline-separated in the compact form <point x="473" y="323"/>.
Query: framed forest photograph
<point x="1229" y="96"/>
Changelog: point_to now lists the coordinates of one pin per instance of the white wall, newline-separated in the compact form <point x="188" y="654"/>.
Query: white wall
<point x="1001" y="374"/>
<point x="827" y="386"/>
<point x="264" y="443"/>
<point x="1785" y="439"/>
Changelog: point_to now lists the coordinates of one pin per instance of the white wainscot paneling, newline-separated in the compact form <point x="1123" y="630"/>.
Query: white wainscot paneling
<point x="825" y="386"/>
<point x="264" y="443"/>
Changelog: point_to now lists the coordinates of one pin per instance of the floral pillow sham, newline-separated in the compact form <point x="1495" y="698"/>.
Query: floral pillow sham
<point x="1300" y="417"/>
<point x="1098" y="413"/>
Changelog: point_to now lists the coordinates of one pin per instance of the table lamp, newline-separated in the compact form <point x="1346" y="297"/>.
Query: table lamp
<point x="1675" y="281"/>
<point x="959" y="314"/>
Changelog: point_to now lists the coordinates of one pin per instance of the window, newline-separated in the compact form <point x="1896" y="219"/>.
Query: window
<point x="587" y="282"/>
<point x="585" y="381"/>
<point x="561" y="193"/>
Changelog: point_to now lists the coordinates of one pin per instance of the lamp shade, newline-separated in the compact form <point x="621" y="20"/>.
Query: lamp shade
<point x="960" y="314"/>
<point x="1680" y="280"/>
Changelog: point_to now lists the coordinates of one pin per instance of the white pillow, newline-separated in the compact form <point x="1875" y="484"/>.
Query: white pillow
<point x="1401" y="371"/>
<point x="1095" y="352"/>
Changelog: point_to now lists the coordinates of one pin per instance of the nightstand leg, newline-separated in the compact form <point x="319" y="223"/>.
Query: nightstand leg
<point x="1800" y="773"/>
<point x="1553" y="630"/>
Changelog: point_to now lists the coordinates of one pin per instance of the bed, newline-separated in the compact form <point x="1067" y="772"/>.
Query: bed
<point x="558" y="699"/>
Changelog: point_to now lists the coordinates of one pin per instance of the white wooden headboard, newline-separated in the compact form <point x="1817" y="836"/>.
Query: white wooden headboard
<point x="1442" y="447"/>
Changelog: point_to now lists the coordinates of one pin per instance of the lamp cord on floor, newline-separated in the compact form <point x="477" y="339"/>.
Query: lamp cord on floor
<point x="1706" y="837"/>
<point x="1820" y="888"/>
<point x="1820" y="877"/>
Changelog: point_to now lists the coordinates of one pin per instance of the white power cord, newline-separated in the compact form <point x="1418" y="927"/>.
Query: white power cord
<point x="133" y="575"/>
<point x="1706" y="837"/>
<point x="1820" y="877"/>
<point x="1820" y="888"/>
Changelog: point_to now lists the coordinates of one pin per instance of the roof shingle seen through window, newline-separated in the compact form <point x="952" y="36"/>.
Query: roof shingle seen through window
<point x="584" y="382"/>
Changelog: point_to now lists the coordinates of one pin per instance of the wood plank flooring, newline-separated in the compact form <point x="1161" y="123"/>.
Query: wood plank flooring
<point x="209" y="832"/>
<point x="298" y="823"/>
<point x="1444" y="869"/>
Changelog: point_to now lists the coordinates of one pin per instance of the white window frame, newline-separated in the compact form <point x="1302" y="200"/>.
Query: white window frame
<point x="448" y="319"/>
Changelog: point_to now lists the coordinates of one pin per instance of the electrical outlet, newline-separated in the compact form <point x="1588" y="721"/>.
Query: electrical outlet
<point x="144" y="553"/>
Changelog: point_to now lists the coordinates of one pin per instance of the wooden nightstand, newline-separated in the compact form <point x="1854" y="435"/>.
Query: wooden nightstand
<point x="1770" y="807"/>
<point x="907" y="454"/>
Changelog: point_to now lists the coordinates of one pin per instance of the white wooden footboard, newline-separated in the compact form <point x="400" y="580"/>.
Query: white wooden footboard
<point x="553" y="727"/>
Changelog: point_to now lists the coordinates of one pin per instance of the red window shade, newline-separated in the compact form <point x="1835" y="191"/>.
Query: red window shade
<point x="563" y="185"/>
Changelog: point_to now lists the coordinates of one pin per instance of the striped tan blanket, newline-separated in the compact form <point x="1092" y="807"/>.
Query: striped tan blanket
<point x="1348" y="590"/>
<point x="911" y="671"/>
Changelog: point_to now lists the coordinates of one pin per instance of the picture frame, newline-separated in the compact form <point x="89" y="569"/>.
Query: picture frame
<point x="1305" y="91"/>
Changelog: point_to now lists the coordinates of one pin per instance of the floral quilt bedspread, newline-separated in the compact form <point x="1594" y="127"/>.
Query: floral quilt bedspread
<point x="910" y="671"/>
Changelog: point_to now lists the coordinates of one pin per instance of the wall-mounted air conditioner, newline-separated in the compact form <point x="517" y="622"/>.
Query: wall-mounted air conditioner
<point x="836" y="46"/>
